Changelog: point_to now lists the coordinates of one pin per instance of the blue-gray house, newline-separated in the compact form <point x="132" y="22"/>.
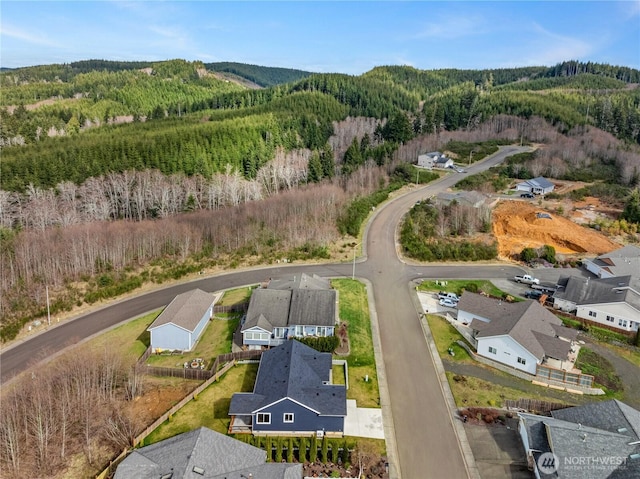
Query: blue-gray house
<point x="537" y="186"/>
<point x="292" y="395"/>
<point x="290" y="308"/>
<point x="182" y="322"/>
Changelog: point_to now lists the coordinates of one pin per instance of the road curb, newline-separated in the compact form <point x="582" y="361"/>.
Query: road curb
<point x="385" y="399"/>
<point x="465" y="448"/>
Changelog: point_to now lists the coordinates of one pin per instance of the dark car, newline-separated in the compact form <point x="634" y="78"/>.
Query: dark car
<point x="533" y="294"/>
<point x="526" y="195"/>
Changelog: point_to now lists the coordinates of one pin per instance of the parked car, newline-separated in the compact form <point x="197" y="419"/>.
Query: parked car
<point x="526" y="195"/>
<point x="451" y="296"/>
<point x="526" y="279"/>
<point x="448" y="302"/>
<point x="533" y="294"/>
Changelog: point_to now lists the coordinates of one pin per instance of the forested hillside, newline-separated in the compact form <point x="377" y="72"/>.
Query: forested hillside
<point x="88" y="144"/>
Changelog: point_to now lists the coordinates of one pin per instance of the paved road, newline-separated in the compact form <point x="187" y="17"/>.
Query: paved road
<point x="427" y="443"/>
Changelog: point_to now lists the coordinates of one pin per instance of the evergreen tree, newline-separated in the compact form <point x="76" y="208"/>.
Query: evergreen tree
<point x="631" y="211"/>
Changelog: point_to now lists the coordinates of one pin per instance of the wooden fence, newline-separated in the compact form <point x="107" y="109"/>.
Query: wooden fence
<point x="232" y="308"/>
<point x="534" y="405"/>
<point x="577" y="379"/>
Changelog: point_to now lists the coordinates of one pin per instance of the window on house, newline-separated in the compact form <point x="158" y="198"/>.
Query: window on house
<point x="610" y="318"/>
<point x="263" y="418"/>
<point x="492" y="350"/>
<point x="593" y="314"/>
<point x="288" y="417"/>
<point x="278" y="332"/>
<point x="522" y="360"/>
<point x="299" y="331"/>
<point x="321" y="331"/>
<point x="622" y="322"/>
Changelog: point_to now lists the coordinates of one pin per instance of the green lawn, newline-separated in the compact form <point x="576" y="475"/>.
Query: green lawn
<point x="129" y="340"/>
<point x="445" y="337"/>
<point x="236" y="296"/>
<point x="215" y="340"/>
<point x="354" y="310"/>
<point x="601" y="369"/>
<point x="211" y="408"/>
<point x="459" y="285"/>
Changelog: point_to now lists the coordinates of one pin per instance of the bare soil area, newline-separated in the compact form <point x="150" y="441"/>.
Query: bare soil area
<point x="520" y="224"/>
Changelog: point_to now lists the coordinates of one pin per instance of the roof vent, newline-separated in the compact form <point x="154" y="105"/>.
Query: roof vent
<point x="635" y="457"/>
<point x="622" y="429"/>
<point x="168" y="475"/>
<point x="198" y="470"/>
<point x="584" y="437"/>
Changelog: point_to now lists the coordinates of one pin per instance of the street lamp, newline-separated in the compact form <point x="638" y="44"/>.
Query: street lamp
<point x="353" y="273"/>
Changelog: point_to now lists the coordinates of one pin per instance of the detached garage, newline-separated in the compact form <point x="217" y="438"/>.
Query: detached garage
<point x="181" y="323"/>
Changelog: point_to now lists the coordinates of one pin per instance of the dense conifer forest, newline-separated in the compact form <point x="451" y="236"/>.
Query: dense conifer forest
<point x="116" y="169"/>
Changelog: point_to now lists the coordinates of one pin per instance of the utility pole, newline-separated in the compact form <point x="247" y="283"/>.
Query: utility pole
<point x="48" y="310"/>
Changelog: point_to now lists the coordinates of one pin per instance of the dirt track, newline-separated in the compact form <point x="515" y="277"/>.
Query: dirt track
<point x="517" y="225"/>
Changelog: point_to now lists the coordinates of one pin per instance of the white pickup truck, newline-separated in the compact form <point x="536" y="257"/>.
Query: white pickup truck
<point x="526" y="279"/>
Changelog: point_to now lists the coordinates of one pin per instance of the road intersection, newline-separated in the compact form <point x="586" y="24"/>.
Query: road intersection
<point x="427" y="439"/>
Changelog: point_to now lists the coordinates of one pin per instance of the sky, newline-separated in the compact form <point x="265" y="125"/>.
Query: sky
<point x="326" y="37"/>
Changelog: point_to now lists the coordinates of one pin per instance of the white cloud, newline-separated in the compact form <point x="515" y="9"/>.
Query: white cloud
<point x="19" y="34"/>
<point x="453" y="26"/>
<point x="550" y="48"/>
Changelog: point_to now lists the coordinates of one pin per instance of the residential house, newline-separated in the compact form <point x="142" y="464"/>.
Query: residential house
<point x="595" y="441"/>
<point x="182" y="322"/>
<point x="621" y="262"/>
<point x="290" y="308"/>
<point x="613" y="301"/>
<point x="537" y="186"/>
<point x="521" y="334"/>
<point x="293" y="395"/>
<point x="203" y="453"/>
<point x="434" y="159"/>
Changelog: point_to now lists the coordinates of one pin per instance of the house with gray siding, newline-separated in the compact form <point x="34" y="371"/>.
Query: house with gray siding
<point x="293" y="395"/>
<point x="521" y="334"/>
<point x="620" y="262"/>
<point x="537" y="186"/>
<point x="613" y="301"/>
<point x="203" y="453"/>
<point x="182" y="322"/>
<point x="595" y="441"/>
<point x="294" y="307"/>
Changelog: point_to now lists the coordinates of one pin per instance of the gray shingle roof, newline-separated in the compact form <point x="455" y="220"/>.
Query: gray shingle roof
<point x="296" y="371"/>
<point x="186" y="310"/>
<point x="621" y="262"/>
<point x="302" y="281"/>
<point x="520" y="321"/>
<point x="215" y="454"/>
<point x="617" y="289"/>
<point x="541" y="182"/>
<point x="312" y="304"/>
<point x="595" y="432"/>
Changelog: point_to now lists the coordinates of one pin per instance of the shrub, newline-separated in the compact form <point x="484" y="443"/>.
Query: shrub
<point x="313" y="451"/>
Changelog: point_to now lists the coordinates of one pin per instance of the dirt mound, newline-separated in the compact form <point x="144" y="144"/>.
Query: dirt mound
<point x="518" y="225"/>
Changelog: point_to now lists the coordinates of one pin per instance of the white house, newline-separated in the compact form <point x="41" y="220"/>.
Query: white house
<point x="537" y="186"/>
<point x="182" y="322"/>
<point x="521" y="335"/>
<point x="290" y="308"/>
<point x="434" y="159"/>
<point x="621" y="262"/>
<point x="612" y="301"/>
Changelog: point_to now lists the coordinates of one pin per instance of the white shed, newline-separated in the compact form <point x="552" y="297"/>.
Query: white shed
<point x="182" y="322"/>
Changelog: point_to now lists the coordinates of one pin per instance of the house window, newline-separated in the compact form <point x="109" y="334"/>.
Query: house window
<point x="593" y="314"/>
<point x="321" y="331"/>
<point x="610" y="318"/>
<point x="278" y="332"/>
<point x="263" y="418"/>
<point x="299" y="331"/>
<point x="622" y="322"/>
<point x="492" y="350"/>
<point x="288" y="417"/>
<point x="522" y="360"/>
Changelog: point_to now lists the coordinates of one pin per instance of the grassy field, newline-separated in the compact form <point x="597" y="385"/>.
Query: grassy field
<point x="211" y="408"/>
<point x="129" y="340"/>
<point x="354" y="310"/>
<point x="458" y="286"/>
<point x="445" y="337"/>
<point x="236" y="296"/>
<point x="601" y="369"/>
<point x="215" y="340"/>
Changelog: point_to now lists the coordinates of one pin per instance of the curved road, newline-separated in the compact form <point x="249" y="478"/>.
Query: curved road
<point x="425" y="435"/>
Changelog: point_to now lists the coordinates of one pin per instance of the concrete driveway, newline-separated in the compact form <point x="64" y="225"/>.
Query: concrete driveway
<point x="363" y="421"/>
